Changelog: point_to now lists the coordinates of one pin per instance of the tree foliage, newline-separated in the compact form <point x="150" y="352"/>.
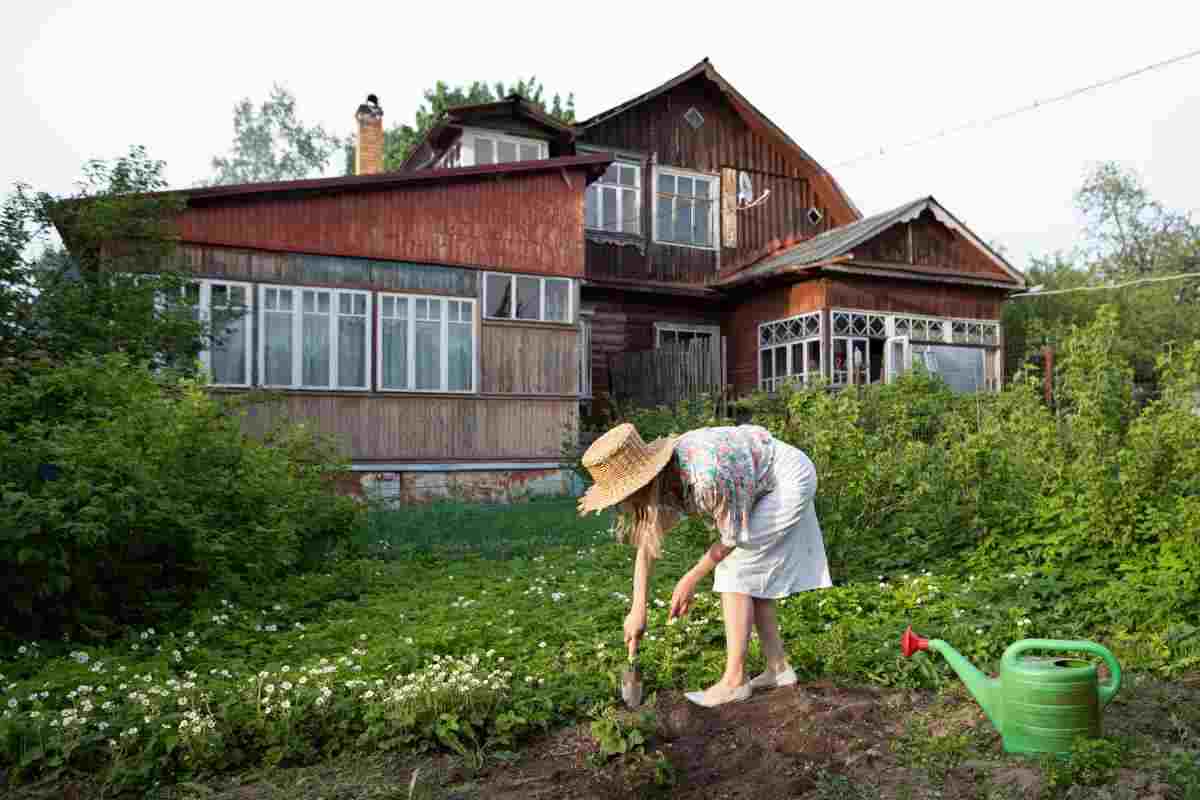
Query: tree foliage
<point x="112" y="288"/>
<point x="271" y="144"/>
<point x="1128" y="235"/>
<point x="123" y="485"/>
<point x="400" y="139"/>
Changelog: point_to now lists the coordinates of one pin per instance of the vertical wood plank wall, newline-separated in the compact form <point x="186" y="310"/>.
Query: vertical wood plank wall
<point x="657" y="129"/>
<point x="624" y="321"/>
<point x="526" y="222"/>
<point x="529" y="359"/>
<point x="431" y="428"/>
<point x="932" y="245"/>
<point x="764" y="306"/>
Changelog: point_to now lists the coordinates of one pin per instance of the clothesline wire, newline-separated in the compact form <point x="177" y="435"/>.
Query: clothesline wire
<point x="1033" y="106"/>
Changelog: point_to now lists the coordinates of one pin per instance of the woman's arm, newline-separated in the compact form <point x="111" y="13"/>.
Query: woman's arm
<point x="643" y="568"/>
<point x="681" y="599"/>
<point x="635" y="621"/>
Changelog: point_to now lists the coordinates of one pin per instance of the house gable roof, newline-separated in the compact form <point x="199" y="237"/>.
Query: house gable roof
<point x="838" y="243"/>
<point x="746" y="110"/>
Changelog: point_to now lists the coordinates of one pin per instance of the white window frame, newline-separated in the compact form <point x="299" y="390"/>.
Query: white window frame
<point x="685" y="327"/>
<point x="585" y="354"/>
<point x="802" y="329"/>
<point x="204" y="315"/>
<point x="917" y="330"/>
<point x="468" y="158"/>
<point x="206" y="286"/>
<point x="834" y="378"/>
<point x="411" y="353"/>
<point x="803" y="375"/>
<point x="897" y="358"/>
<point x="542" y="279"/>
<point x="714" y="196"/>
<point x="627" y="224"/>
<point x="298" y="337"/>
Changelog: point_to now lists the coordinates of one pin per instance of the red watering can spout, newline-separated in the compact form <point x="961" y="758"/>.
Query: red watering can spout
<point x="911" y="643"/>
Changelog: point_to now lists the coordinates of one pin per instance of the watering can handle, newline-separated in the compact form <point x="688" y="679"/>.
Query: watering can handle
<point x="1107" y="691"/>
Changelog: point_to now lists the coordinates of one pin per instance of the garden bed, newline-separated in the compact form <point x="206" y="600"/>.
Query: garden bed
<point x="336" y="684"/>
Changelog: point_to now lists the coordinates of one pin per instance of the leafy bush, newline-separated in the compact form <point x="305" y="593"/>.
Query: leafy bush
<point x="122" y="493"/>
<point x="922" y="478"/>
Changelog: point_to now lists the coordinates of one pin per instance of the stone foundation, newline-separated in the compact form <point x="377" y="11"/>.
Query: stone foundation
<point x="467" y="486"/>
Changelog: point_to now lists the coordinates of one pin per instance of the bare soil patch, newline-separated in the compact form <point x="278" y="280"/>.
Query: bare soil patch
<point x="816" y="741"/>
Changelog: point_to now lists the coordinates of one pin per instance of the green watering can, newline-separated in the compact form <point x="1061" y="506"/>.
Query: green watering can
<point x="1039" y="705"/>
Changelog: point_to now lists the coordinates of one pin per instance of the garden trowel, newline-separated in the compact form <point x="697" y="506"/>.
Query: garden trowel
<point x="631" y="679"/>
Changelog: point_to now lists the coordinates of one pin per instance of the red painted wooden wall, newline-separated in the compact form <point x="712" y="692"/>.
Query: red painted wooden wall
<point x="525" y="222"/>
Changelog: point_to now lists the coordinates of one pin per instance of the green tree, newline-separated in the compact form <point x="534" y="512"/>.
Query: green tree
<point x="112" y="288"/>
<point x="400" y="139"/>
<point x="271" y="144"/>
<point x="1128" y="235"/>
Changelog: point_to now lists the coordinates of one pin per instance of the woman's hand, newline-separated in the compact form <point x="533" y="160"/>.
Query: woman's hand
<point x="681" y="598"/>
<point x="635" y="626"/>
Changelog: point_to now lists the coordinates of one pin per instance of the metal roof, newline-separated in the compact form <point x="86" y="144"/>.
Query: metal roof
<point x="597" y="162"/>
<point x="839" y="241"/>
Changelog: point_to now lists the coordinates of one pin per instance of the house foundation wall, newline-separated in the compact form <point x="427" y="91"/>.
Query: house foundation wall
<point x="405" y="487"/>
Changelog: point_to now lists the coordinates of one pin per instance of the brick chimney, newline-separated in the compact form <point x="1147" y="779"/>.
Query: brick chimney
<point x="368" y="156"/>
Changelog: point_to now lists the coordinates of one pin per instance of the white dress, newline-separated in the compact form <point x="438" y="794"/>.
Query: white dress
<point x="759" y="491"/>
<point x="781" y="552"/>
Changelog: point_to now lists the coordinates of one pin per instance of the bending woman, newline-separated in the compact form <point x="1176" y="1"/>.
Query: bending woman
<point x="759" y="493"/>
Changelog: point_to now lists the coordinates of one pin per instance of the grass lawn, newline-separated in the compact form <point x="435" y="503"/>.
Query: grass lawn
<point x="478" y="632"/>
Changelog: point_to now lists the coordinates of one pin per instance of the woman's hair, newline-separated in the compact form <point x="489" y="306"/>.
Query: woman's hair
<point x="644" y="517"/>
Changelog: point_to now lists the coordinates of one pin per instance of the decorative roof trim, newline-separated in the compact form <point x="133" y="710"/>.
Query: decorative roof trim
<point x="816" y="250"/>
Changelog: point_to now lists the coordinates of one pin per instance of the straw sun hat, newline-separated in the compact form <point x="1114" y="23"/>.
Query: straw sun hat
<point x="621" y="463"/>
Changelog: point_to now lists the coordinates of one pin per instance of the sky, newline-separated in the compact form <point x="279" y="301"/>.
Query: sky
<point x="88" y="80"/>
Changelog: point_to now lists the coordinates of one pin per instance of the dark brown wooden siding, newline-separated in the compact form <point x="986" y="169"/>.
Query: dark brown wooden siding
<point x="925" y="242"/>
<point x="624" y="321"/>
<point x="658" y="130"/>
<point x="764" y="306"/>
<point x="530" y="222"/>
<point x="932" y="299"/>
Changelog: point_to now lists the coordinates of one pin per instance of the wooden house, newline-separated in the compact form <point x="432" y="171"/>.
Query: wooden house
<point x="711" y="223"/>
<point x="448" y="321"/>
<point x="428" y="320"/>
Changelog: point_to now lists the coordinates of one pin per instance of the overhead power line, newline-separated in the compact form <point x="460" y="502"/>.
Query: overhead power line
<point x="1035" y="293"/>
<point x="1035" y="105"/>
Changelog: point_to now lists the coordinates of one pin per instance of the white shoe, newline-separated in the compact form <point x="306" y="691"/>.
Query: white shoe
<point x="771" y="680"/>
<point x="736" y="696"/>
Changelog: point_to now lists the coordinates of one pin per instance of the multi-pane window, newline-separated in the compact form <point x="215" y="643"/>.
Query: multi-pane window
<point x="226" y="307"/>
<point x="525" y="297"/>
<point x="789" y="350"/>
<point x="869" y="347"/>
<point x="496" y="149"/>
<point x="613" y="203"/>
<point x="667" y="334"/>
<point x="685" y="208"/>
<point x="427" y="344"/>
<point x="314" y="338"/>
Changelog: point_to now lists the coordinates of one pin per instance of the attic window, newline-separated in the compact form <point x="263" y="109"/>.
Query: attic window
<point x="694" y="117"/>
<point x="815" y="216"/>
